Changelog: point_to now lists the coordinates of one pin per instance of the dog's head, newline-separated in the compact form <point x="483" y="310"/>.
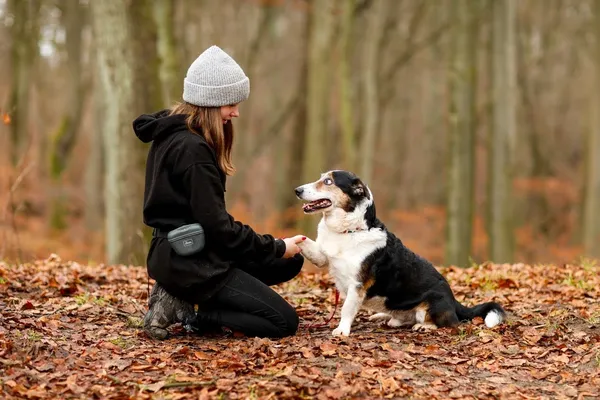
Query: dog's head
<point x="336" y="190"/>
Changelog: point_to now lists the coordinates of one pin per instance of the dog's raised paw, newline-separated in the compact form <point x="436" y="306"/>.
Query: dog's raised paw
<point x="423" y="327"/>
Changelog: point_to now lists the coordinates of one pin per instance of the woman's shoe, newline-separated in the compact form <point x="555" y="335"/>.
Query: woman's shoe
<point x="165" y="310"/>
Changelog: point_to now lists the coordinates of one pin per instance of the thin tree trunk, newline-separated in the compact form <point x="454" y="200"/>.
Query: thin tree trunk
<point x="147" y="82"/>
<point x="320" y="28"/>
<point x="500" y="202"/>
<point x="591" y="232"/>
<point x="25" y="34"/>
<point x="94" y="168"/>
<point x="346" y="86"/>
<point x="245" y="141"/>
<point x="172" y="87"/>
<point x="124" y="183"/>
<point x="66" y="135"/>
<point x="463" y="81"/>
<point x="374" y="30"/>
<point x="295" y="157"/>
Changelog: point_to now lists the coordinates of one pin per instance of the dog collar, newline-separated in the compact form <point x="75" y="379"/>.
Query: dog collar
<point x="352" y="231"/>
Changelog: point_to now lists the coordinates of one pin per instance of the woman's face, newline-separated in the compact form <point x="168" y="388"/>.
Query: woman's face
<point x="230" y="111"/>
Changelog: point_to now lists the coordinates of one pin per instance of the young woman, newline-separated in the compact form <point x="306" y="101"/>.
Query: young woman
<point x="187" y="164"/>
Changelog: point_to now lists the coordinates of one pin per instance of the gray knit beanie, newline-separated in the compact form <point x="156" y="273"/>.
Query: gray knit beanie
<point x="214" y="79"/>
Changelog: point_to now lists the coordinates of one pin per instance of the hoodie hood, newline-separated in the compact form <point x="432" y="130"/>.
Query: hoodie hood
<point x="149" y="127"/>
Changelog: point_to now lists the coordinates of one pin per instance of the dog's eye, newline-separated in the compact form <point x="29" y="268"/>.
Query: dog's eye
<point x="328" y="181"/>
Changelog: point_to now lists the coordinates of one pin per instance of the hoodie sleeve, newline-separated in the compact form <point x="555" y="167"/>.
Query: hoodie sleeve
<point x="227" y="236"/>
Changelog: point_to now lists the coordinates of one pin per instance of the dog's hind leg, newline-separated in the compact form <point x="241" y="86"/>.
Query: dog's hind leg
<point x="423" y="318"/>
<point x="402" y="318"/>
<point x="312" y="251"/>
<point x="442" y="312"/>
<point x="379" y="316"/>
<point x="352" y="303"/>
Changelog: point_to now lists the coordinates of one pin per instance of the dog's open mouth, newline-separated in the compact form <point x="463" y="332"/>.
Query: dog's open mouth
<point x="316" y="205"/>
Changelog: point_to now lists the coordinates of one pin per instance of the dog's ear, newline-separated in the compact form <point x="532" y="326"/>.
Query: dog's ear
<point x="358" y="188"/>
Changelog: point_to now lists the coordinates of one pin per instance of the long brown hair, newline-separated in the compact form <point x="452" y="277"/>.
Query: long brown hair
<point x="208" y="123"/>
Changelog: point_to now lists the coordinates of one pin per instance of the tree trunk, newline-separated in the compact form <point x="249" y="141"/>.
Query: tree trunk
<point x="123" y="179"/>
<point x="24" y="51"/>
<point x="94" y="168"/>
<point x="293" y="164"/>
<point x="147" y="83"/>
<point x="172" y="87"/>
<point x="65" y="136"/>
<point x="246" y="140"/>
<point x="591" y="220"/>
<point x="463" y="82"/>
<point x="374" y="30"/>
<point x="501" y="150"/>
<point x="320" y="29"/>
<point x="346" y="86"/>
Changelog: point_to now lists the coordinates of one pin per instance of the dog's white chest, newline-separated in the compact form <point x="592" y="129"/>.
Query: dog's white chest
<point x="346" y="253"/>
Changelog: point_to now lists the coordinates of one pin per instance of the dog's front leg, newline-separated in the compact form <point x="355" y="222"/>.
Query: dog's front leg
<point x="312" y="251"/>
<point x="354" y="299"/>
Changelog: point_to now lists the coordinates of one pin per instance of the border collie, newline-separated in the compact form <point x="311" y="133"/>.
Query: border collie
<point x="371" y="266"/>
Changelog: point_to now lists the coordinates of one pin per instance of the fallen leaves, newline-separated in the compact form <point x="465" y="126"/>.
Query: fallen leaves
<point x="69" y="330"/>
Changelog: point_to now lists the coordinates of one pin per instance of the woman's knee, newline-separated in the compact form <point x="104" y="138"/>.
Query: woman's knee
<point x="290" y="321"/>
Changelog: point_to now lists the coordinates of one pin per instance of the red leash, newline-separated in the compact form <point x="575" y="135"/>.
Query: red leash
<point x="337" y="299"/>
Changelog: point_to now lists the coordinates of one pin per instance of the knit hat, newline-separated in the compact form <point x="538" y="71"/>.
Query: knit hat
<point x="214" y="79"/>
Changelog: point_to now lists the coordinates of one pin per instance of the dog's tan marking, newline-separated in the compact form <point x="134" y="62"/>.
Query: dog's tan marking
<point x="321" y="186"/>
<point x="368" y="283"/>
<point x="338" y="197"/>
<point x="422" y="313"/>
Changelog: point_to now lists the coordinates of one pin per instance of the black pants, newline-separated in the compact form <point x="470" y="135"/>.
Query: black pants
<point x="247" y="304"/>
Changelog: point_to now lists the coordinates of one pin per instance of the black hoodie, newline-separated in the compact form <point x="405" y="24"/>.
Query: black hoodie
<point x="184" y="184"/>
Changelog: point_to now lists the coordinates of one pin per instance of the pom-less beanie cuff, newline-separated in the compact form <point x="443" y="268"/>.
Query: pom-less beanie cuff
<point x="216" y="96"/>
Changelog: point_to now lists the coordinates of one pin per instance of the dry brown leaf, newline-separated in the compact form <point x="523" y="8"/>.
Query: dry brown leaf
<point x="328" y="348"/>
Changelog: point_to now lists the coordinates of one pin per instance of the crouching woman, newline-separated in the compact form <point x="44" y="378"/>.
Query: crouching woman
<point x="187" y="165"/>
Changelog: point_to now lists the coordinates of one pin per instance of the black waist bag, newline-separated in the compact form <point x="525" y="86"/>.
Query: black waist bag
<point x="187" y="239"/>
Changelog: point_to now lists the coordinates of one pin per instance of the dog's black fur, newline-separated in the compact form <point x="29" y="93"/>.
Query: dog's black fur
<point x="404" y="279"/>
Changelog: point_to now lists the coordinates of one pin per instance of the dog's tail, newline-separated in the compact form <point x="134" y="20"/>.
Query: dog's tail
<point x="492" y="313"/>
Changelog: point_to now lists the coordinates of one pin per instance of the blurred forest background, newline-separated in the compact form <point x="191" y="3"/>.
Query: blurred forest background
<point x="475" y="123"/>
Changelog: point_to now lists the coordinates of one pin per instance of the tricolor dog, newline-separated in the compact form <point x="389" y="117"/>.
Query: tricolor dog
<point x="371" y="266"/>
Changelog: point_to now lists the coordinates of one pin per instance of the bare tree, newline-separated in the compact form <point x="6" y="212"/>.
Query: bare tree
<point x="146" y="75"/>
<point x="462" y="122"/>
<point x="24" y="52"/>
<point x="320" y="32"/>
<point x="502" y="143"/>
<point x="591" y="231"/>
<point x="168" y="51"/>
<point x="374" y="31"/>
<point x="346" y="84"/>
<point x="94" y="166"/>
<point x="73" y="18"/>
<point x="123" y="185"/>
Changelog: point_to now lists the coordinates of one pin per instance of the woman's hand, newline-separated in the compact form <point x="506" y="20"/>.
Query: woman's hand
<point x="291" y="245"/>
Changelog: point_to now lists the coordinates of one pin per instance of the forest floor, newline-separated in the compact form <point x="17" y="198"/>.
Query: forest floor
<point x="73" y="331"/>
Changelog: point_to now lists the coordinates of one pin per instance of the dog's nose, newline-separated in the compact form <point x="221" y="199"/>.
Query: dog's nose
<point x="299" y="190"/>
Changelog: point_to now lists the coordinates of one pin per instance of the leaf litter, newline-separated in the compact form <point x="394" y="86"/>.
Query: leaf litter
<point x="74" y="331"/>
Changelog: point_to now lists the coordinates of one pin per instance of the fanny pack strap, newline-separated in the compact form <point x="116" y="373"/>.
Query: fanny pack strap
<point x="159" y="234"/>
